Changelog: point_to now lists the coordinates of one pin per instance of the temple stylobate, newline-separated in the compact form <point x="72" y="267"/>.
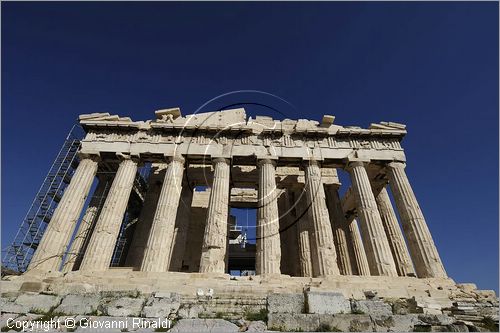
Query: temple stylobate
<point x="202" y="165"/>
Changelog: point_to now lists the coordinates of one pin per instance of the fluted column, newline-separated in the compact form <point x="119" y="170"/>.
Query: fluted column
<point x="102" y="243"/>
<point x="75" y="254"/>
<point x="397" y="242"/>
<point x="288" y="235"/>
<point x="359" y="249"/>
<point x="324" y="256"/>
<point x="375" y="241"/>
<point x="338" y="224"/>
<point x="303" y="227"/>
<point x="55" y="240"/>
<point x="141" y="234"/>
<point x="158" y="249"/>
<point x="420" y="243"/>
<point x="181" y="228"/>
<point x="268" y="256"/>
<point x="215" y="238"/>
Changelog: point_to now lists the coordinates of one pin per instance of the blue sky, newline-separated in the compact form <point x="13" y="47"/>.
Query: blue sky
<point x="432" y="66"/>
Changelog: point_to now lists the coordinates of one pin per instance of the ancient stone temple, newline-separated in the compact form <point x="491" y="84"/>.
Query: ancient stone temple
<point x="172" y="229"/>
<point x="286" y="169"/>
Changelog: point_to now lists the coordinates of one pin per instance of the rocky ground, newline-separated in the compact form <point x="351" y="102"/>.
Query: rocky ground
<point x="313" y="310"/>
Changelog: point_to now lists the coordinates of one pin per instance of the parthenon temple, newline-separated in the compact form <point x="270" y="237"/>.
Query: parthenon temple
<point x="197" y="167"/>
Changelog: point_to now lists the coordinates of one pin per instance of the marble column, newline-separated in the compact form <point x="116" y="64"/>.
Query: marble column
<point x="268" y="256"/>
<point x="75" y="254"/>
<point x="55" y="240"/>
<point x="102" y="243"/>
<point x="323" y="254"/>
<point x="303" y="227"/>
<point x="181" y="228"/>
<point x="420" y="243"/>
<point x="146" y="216"/>
<point x="375" y="240"/>
<point x="338" y="224"/>
<point x="215" y="237"/>
<point x="397" y="242"/>
<point x="158" y="249"/>
<point x="288" y="236"/>
<point x="359" y="249"/>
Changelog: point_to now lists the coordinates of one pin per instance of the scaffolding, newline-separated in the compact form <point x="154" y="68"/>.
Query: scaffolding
<point x="18" y="255"/>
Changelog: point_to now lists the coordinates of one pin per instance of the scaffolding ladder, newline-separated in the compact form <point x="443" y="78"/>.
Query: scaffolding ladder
<point x="18" y="255"/>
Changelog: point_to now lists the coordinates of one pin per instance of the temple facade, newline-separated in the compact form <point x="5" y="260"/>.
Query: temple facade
<point x="201" y="165"/>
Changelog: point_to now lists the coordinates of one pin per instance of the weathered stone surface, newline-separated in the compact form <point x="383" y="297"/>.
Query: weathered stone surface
<point x="372" y="307"/>
<point x="189" y="311"/>
<point x="395" y="323"/>
<point x="405" y="306"/>
<point x="160" y="307"/>
<point x="256" y="326"/>
<point x="31" y="286"/>
<point x="123" y="307"/>
<point x="30" y="302"/>
<point x="345" y="323"/>
<point x="296" y="321"/>
<point x="6" y="316"/>
<point x="322" y="302"/>
<point x="204" y="325"/>
<point x="285" y="303"/>
<point x="439" y="319"/>
<point x="79" y="304"/>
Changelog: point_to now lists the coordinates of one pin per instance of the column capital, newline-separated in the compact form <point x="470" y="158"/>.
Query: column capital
<point x="216" y="160"/>
<point x="355" y="163"/>
<point x="396" y="164"/>
<point x="176" y="158"/>
<point x="308" y="161"/>
<point x="96" y="157"/>
<point x="267" y="160"/>
<point x="127" y="156"/>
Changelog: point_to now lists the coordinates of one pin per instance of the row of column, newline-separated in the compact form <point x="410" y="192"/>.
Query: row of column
<point x="327" y="244"/>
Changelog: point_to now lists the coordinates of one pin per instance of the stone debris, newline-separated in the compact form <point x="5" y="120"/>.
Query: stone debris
<point x="311" y="310"/>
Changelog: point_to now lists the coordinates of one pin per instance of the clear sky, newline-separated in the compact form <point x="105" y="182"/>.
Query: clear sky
<point x="432" y="66"/>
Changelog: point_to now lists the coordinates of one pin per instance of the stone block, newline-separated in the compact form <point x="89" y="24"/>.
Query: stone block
<point x="436" y="319"/>
<point x="285" y="303"/>
<point x="187" y="311"/>
<point x="160" y="307"/>
<point x="405" y="306"/>
<point x="256" y="326"/>
<point x="293" y="322"/>
<point x="345" y="323"/>
<point x="38" y="302"/>
<point x="322" y="302"/>
<point x="372" y="307"/>
<point x="123" y="307"/>
<point x="395" y="323"/>
<point x="79" y="304"/>
<point x="204" y="325"/>
<point x="31" y="286"/>
<point x="4" y="317"/>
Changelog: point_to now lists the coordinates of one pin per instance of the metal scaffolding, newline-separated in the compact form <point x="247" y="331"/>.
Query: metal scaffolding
<point x="18" y="255"/>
